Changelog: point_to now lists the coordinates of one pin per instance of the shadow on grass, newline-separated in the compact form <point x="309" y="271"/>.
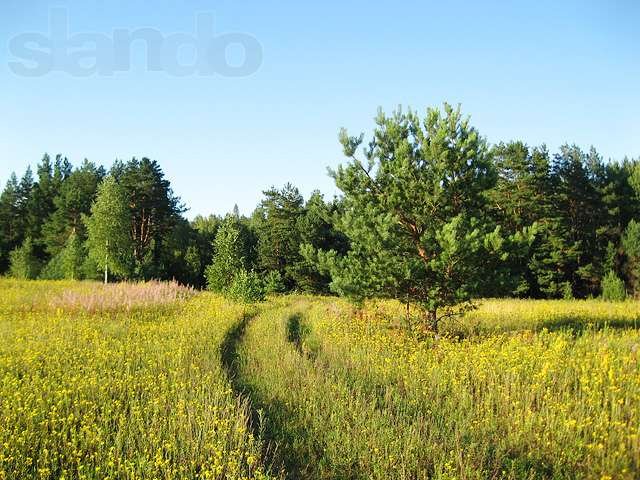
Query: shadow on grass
<point x="230" y="360"/>
<point x="229" y="356"/>
<point x="575" y="325"/>
<point x="579" y="325"/>
<point x="298" y="333"/>
<point x="296" y="330"/>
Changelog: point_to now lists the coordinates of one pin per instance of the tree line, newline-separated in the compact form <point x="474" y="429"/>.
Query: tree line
<point x="430" y="213"/>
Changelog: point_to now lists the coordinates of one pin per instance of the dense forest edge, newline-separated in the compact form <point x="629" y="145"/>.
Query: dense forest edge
<point x="430" y="213"/>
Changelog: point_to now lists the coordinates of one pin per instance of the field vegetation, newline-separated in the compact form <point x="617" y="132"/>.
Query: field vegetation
<point x="93" y="390"/>
<point x="348" y="394"/>
<point x="179" y="384"/>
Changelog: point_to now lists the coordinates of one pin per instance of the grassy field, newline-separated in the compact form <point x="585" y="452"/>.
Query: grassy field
<point x="127" y="388"/>
<point x="156" y="381"/>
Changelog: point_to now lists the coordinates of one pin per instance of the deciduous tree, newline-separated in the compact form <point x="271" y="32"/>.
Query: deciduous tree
<point x="108" y="230"/>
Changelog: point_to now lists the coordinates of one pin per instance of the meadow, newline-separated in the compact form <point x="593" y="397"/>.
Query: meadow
<point x="158" y="381"/>
<point x="120" y="382"/>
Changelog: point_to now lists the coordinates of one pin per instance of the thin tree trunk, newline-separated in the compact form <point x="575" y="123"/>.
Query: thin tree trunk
<point x="408" y="318"/>
<point x="106" y="264"/>
<point x="432" y="318"/>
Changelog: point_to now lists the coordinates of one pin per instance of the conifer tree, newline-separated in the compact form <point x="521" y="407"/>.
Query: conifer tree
<point x="10" y="221"/>
<point x="413" y="213"/>
<point x="154" y="211"/>
<point x="73" y="257"/>
<point x="229" y="257"/>
<point x="279" y="238"/>
<point x="75" y="197"/>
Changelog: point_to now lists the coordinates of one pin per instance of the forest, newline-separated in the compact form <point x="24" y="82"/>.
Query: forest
<point x="428" y="201"/>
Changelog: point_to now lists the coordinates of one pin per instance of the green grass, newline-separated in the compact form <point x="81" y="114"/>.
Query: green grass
<point x="116" y="393"/>
<point x="153" y="381"/>
<point x="349" y="395"/>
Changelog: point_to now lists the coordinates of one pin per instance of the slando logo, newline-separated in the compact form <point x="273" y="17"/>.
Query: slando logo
<point x="87" y="54"/>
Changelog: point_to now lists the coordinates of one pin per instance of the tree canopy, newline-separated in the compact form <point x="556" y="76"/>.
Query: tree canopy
<point x="429" y="213"/>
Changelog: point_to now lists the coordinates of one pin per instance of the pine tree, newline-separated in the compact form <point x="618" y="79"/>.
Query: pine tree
<point x="10" y="221"/>
<point x="154" y="211"/>
<point x="279" y="238"/>
<point x="413" y="213"/>
<point x="316" y="232"/>
<point x="521" y="199"/>
<point x="229" y="257"/>
<point x="631" y="249"/>
<point x="581" y="213"/>
<point x="41" y="205"/>
<point x="74" y="200"/>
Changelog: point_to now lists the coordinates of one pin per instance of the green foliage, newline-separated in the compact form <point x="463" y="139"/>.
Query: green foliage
<point x="154" y="211"/>
<point x="10" y="231"/>
<point x="413" y="213"/>
<point x="613" y="288"/>
<point x="24" y="262"/>
<point x="109" y="241"/>
<point x="273" y="282"/>
<point x="53" y="269"/>
<point x="316" y="232"/>
<point x="229" y="272"/>
<point x="279" y="237"/>
<point x="68" y="263"/>
<point x="229" y="258"/>
<point x="580" y="210"/>
<point x="246" y="287"/>
<point x="631" y="248"/>
<point x="72" y="257"/>
<point x="74" y="201"/>
<point x="543" y="221"/>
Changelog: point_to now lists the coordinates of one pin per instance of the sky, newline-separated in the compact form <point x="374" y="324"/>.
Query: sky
<point x="542" y="72"/>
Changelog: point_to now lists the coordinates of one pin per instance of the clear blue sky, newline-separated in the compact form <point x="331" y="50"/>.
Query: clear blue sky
<point x="540" y="71"/>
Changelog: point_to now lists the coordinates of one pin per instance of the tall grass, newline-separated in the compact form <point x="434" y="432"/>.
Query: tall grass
<point x="121" y="296"/>
<point x="95" y="390"/>
<point x="143" y="381"/>
<point x="350" y="395"/>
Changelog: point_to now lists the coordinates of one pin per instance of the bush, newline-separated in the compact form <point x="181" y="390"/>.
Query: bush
<point x="613" y="288"/>
<point x="246" y="287"/>
<point x="273" y="282"/>
<point x="68" y="263"/>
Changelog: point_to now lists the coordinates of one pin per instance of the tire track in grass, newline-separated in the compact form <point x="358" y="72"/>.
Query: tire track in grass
<point x="230" y="360"/>
<point x="317" y="425"/>
<point x="266" y="415"/>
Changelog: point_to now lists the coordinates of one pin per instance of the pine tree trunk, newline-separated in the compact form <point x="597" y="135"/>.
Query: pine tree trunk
<point x="432" y="318"/>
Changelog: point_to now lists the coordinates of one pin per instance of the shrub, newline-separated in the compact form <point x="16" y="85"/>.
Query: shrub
<point x="246" y="287"/>
<point x="613" y="288"/>
<point x="228" y="259"/>
<point x="273" y="282"/>
<point x="24" y="263"/>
